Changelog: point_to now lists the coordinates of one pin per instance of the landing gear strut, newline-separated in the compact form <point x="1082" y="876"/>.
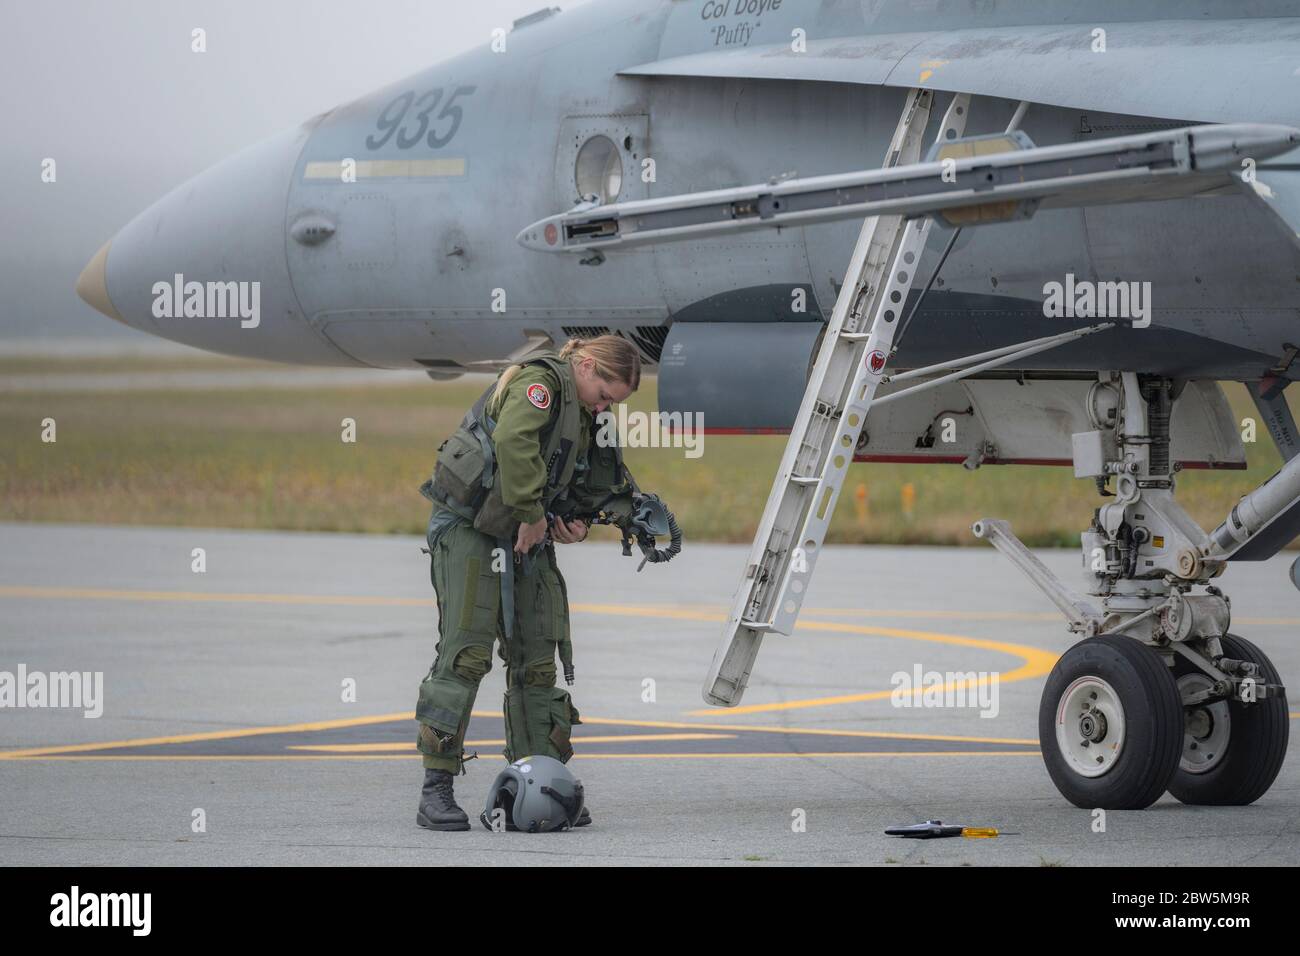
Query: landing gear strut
<point x="1158" y="696"/>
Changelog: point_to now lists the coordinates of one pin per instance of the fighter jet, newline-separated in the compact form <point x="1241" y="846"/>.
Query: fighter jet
<point x="988" y="233"/>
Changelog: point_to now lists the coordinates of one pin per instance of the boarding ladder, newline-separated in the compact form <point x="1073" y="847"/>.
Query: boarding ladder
<point x="854" y="352"/>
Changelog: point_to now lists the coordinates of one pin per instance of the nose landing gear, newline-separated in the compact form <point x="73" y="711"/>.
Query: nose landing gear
<point x="1158" y="695"/>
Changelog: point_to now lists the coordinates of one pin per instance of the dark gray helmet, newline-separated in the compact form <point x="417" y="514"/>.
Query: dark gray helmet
<point x="534" y="794"/>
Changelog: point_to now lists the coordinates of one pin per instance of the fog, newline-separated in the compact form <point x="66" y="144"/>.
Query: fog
<point x="111" y="91"/>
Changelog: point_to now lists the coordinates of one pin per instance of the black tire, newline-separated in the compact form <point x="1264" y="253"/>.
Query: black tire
<point x="1141" y="733"/>
<point x="1255" y="745"/>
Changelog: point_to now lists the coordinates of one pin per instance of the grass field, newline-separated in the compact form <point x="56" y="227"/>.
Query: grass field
<point x="261" y="458"/>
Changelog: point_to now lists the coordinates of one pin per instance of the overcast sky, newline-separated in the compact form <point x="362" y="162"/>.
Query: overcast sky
<point x="111" y="91"/>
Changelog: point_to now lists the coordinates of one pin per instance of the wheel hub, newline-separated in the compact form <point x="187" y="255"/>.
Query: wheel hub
<point x="1207" y="729"/>
<point x="1090" y="726"/>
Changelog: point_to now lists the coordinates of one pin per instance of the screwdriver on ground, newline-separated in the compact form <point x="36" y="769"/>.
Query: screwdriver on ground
<point x="931" y="829"/>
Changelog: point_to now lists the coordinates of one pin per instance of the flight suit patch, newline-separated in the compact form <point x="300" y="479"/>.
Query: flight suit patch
<point x="539" y="395"/>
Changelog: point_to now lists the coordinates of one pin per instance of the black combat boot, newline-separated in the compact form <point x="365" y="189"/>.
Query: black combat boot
<point x="438" y="810"/>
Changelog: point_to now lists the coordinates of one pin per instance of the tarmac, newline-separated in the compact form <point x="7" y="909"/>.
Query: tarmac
<point x="261" y="711"/>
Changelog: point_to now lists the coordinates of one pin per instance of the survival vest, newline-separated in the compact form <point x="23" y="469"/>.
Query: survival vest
<point x="465" y="476"/>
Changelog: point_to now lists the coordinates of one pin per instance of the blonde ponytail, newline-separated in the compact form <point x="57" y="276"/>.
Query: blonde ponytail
<point x="498" y="393"/>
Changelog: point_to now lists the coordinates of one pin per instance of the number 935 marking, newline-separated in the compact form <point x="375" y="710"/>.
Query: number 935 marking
<point x="410" y="132"/>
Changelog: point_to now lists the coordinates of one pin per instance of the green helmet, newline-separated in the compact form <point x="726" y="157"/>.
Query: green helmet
<point x="534" y="794"/>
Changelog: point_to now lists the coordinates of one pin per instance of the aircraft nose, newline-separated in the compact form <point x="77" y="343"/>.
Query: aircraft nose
<point x="92" y="284"/>
<point x="206" y="266"/>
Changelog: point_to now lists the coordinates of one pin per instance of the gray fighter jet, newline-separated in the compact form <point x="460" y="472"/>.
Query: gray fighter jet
<point x="986" y="232"/>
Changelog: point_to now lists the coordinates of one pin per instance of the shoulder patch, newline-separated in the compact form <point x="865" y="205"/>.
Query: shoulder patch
<point x="539" y="395"/>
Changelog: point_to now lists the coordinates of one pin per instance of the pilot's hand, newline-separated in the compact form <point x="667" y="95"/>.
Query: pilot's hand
<point x="530" y="535"/>
<point x="570" y="532"/>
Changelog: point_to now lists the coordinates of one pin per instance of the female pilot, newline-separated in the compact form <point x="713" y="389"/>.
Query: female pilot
<point x="528" y="442"/>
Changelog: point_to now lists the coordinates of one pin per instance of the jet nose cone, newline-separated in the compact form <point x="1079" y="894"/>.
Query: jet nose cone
<point x="93" y="287"/>
<point x="206" y="265"/>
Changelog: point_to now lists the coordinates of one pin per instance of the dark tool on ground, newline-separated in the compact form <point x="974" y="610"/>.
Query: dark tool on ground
<point x="932" y="829"/>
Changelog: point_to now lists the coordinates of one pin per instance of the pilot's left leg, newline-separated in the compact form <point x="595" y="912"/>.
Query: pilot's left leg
<point x="539" y="715"/>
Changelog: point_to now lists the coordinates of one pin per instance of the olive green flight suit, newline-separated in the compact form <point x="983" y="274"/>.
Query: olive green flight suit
<point x="466" y="568"/>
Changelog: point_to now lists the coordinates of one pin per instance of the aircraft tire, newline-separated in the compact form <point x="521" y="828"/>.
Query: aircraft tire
<point x="1111" y="724"/>
<point x="1232" y="750"/>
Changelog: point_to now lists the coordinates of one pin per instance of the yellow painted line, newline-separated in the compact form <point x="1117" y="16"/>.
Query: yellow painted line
<point x="934" y="613"/>
<point x="115" y="594"/>
<point x="878" y="734"/>
<point x="1036" y="663"/>
<point x="697" y="612"/>
<point x="787" y="754"/>
<point x="392" y="747"/>
<point x="213" y="735"/>
<point x="667" y="613"/>
<point x="716" y="612"/>
<point x="576" y="756"/>
<point x="387" y="168"/>
<point x="337" y="600"/>
<point x="637" y="738"/>
<point x="389" y="718"/>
